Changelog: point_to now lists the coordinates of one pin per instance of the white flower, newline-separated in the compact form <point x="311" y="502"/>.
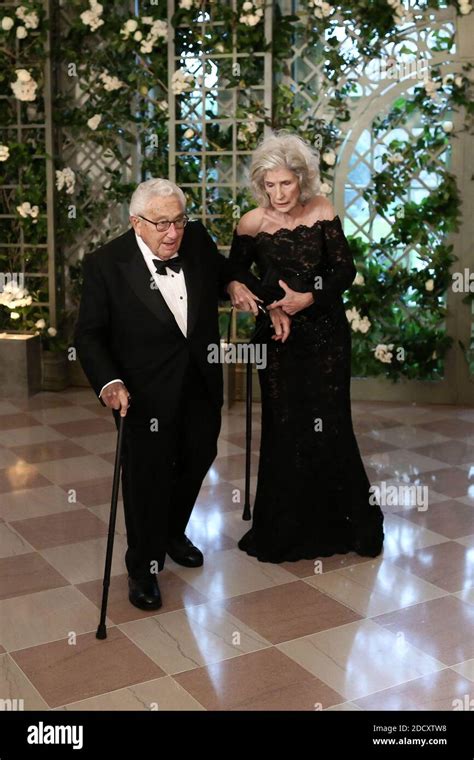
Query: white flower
<point x="251" y="125"/>
<point x="66" y="178"/>
<point x="364" y="325"/>
<point x="92" y="17"/>
<point x="40" y="324"/>
<point x="30" y="20"/>
<point x="358" y="323"/>
<point x="131" y="25"/>
<point x="247" y="6"/>
<point x="52" y="331"/>
<point x="329" y="157"/>
<point x="7" y="23"/>
<point x="464" y="9"/>
<point x="21" y="32"/>
<point x="429" y="284"/>
<point x="163" y="105"/>
<point x="181" y="81"/>
<point x="138" y="36"/>
<point x="13" y="296"/>
<point x="395" y="158"/>
<point x="186" y="4"/>
<point x="27" y="210"/>
<point x="23" y="75"/>
<point x="94" y="121"/>
<point x="188" y="134"/>
<point x="359" y="279"/>
<point x="459" y="81"/>
<point x="14" y="315"/>
<point x="4" y="152"/>
<point x="325" y="188"/>
<point x="384" y="353"/>
<point x="434" y="355"/>
<point x="25" y="86"/>
<point x="352" y="314"/>
<point x="448" y="126"/>
<point x="110" y="83"/>
<point x="250" y="20"/>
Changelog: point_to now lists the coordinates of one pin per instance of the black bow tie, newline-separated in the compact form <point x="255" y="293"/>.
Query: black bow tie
<point x="174" y="264"/>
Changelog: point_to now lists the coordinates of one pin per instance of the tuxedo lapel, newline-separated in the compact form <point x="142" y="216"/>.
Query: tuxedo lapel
<point x="134" y="269"/>
<point x="137" y="274"/>
<point x="192" y="276"/>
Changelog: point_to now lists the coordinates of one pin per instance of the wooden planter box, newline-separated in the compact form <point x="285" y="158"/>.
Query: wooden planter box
<point x="55" y="375"/>
<point x="20" y="364"/>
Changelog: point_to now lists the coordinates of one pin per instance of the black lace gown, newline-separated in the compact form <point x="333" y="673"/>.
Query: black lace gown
<point x="312" y="497"/>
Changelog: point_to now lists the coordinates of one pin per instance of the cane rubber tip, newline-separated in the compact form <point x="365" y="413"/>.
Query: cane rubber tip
<point x="101" y="632"/>
<point x="246" y="515"/>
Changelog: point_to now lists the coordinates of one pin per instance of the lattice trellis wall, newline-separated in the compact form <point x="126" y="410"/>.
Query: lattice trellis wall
<point x="207" y="158"/>
<point x="360" y="155"/>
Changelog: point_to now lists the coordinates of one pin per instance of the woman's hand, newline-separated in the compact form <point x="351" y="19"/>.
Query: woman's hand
<point x="292" y="301"/>
<point x="242" y="298"/>
<point x="281" y="324"/>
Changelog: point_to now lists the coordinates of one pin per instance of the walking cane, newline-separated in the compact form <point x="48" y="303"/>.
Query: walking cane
<point x="102" y="630"/>
<point x="246" y="515"/>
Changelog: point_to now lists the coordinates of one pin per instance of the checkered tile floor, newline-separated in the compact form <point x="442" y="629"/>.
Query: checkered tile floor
<point x="393" y="633"/>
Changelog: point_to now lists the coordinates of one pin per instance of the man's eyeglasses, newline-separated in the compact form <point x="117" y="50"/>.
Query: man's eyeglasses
<point x="164" y="224"/>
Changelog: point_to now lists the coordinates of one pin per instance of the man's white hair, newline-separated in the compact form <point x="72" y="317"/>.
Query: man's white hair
<point x="153" y="188"/>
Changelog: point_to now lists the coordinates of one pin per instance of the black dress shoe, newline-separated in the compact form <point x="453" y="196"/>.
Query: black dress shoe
<point x="144" y="593"/>
<point x="183" y="552"/>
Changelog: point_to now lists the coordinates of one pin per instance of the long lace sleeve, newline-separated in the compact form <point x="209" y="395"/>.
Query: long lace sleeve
<point x="241" y="259"/>
<point x="338" y="270"/>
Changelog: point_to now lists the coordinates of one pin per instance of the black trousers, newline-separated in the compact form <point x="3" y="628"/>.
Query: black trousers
<point x="162" y="473"/>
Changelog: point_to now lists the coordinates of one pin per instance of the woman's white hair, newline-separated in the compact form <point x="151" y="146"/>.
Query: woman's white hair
<point x="284" y="150"/>
<point x="152" y="188"/>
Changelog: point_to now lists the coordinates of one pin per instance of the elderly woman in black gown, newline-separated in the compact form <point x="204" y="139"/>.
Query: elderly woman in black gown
<point x="313" y="498"/>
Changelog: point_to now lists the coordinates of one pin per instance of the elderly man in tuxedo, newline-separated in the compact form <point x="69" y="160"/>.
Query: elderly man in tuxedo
<point x="149" y="311"/>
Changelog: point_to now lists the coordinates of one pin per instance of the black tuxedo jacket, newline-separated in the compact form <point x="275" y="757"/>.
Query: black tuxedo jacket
<point x="125" y="329"/>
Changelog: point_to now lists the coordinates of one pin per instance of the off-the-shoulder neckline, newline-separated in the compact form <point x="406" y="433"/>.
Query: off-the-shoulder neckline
<point x="287" y="229"/>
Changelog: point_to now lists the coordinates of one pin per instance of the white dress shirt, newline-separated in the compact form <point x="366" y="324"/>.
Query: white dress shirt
<point x="172" y="287"/>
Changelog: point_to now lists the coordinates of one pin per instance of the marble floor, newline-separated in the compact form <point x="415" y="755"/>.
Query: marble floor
<point x="352" y="633"/>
